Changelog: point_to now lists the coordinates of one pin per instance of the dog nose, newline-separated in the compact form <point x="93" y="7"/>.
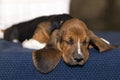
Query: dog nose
<point x="78" y="59"/>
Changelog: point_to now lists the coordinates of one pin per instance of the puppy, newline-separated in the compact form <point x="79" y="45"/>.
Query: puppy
<point x="56" y="37"/>
<point x="71" y="42"/>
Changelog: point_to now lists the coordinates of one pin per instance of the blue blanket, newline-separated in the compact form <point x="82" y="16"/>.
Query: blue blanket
<point x="16" y="63"/>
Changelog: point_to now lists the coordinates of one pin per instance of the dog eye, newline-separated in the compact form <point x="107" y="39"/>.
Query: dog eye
<point x="70" y="42"/>
<point x="85" y="42"/>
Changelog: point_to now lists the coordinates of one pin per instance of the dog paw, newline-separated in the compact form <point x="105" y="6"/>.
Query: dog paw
<point x="15" y="41"/>
<point x="33" y="44"/>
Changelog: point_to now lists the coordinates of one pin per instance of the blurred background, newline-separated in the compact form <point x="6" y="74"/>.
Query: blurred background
<point x="99" y="15"/>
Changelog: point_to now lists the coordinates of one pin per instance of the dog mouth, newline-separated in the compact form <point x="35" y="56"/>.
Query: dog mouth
<point x="73" y="62"/>
<point x="78" y="61"/>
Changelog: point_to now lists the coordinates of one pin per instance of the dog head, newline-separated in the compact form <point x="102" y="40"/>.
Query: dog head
<point x="72" y="42"/>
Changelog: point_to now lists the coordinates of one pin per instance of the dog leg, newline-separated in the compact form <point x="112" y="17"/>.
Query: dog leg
<point x="33" y="44"/>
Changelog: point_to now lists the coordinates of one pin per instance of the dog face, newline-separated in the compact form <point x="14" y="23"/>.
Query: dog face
<point x="72" y="41"/>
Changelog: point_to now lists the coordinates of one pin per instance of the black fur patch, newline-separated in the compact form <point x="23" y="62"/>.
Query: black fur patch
<point x="25" y="30"/>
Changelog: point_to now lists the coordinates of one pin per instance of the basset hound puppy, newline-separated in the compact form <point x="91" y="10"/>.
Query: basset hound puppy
<point x="56" y="37"/>
<point x="71" y="42"/>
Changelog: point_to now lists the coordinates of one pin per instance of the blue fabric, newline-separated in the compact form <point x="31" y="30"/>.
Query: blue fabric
<point x="16" y="63"/>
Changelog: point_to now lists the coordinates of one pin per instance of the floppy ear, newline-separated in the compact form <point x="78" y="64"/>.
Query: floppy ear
<point x="99" y="43"/>
<point x="46" y="59"/>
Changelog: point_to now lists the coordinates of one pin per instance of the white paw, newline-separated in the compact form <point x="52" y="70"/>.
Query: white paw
<point x="15" y="41"/>
<point x="33" y="44"/>
<point x="105" y="41"/>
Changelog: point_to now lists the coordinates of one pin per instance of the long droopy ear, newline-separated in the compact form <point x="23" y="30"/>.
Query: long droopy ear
<point x="46" y="59"/>
<point x="99" y="43"/>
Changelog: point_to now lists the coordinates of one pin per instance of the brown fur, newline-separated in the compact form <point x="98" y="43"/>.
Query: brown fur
<point x="64" y="42"/>
<point x="41" y="34"/>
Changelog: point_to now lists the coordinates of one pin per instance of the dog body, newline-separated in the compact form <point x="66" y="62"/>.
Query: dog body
<point x="56" y="36"/>
<point x="25" y="30"/>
